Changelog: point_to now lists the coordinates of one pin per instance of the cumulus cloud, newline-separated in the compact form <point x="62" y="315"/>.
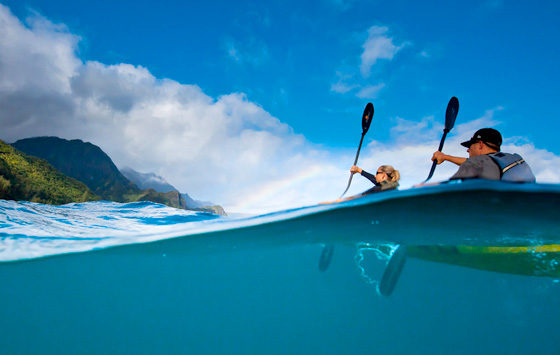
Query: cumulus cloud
<point x="225" y="149"/>
<point x="377" y="46"/>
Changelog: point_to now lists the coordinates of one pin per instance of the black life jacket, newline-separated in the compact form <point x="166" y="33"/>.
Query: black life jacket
<point x="513" y="167"/>
<point x="383" y="186"/>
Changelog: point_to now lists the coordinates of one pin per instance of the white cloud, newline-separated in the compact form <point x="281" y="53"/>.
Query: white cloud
<point x="226" y="149"/>
<point x="370" y="92"/>
<point x="377" y="46"/>
<point x="342" y="85"/>
<point x="342" y="88"/>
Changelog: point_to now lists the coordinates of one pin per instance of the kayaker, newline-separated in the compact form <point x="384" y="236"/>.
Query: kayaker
<point x="486" y="161"/>
<point x="386" y="178"/>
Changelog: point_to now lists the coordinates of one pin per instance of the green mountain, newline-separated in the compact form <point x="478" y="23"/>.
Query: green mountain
<point x="89" y="164"/>
<point x="84" y="162"/>
<point x="31" y="179"/>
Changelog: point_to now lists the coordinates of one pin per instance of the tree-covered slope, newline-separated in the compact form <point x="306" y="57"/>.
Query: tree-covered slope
<point x="89" y="164"/>
<point x="23" y="177"/>
<point x="82" y="161"/>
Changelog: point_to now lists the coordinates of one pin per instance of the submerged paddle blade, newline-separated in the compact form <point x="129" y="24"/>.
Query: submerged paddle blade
<point x="326" y="257"/>
<point x="366" y="117"/>
<point x="451" y="113"/>
<point x="392" y="271"/>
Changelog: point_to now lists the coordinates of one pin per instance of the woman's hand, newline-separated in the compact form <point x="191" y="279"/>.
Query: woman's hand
<point x="355" y="169"/>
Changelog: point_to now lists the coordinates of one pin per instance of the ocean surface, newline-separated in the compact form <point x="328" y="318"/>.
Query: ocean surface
<point x="481" y="275"/>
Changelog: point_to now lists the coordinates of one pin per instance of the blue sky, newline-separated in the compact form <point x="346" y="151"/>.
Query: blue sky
<point x="302" y="73"/>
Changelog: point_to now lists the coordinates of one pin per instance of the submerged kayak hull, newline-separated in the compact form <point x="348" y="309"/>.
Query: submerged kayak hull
<point x="539" y="260"/>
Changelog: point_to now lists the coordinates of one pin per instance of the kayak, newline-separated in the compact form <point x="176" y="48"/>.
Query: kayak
<point x="469" y="213"/>
<point x="537" y="260"/>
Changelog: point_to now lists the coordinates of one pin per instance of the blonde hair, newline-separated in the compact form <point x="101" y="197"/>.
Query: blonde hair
<point x="391" y="172"/>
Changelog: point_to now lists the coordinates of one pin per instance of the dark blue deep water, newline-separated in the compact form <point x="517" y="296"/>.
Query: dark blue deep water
<point x="143" y="278"/>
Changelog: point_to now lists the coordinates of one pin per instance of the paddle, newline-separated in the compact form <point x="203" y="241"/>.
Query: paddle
<point x="398" y="258"/>
<point x="366" y="121"/>
<point x="392" y="271"/>
<point x="450" y="116"/>
<point x="326" y="256"/>
<point x="328" y="250"/>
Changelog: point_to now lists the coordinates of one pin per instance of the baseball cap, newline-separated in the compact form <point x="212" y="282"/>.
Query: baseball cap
<point x="489" y="136"/>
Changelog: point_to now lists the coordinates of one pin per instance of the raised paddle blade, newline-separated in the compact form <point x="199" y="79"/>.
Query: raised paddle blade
<point x="451" y="113"/>
<point x="450" y="116"/>
<point x="366" y="117"/>
<point x="366" y="121"/>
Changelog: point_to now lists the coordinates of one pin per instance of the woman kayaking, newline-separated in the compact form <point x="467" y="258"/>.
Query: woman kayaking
<point x="386" y="178"/>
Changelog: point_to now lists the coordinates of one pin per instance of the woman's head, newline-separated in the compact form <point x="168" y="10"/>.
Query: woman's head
<point x="387" y="173"/>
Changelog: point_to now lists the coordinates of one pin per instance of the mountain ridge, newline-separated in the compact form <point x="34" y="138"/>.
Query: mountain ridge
<point x="89" y="164"/>
<point x="28" y="178"/>
<point x="159" y="184"/>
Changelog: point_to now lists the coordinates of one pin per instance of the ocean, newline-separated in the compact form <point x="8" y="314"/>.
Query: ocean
<point x="481" y="275"/>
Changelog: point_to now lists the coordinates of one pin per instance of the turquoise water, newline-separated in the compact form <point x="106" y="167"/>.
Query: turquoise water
<point x="143" y="278"/>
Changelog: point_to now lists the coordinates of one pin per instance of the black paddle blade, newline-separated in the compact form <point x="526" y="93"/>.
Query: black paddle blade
<point x="451" y="113"/>
<point x="392" y="271"/>
<point x="366" y="117"/>
<point x="326" y="257"/>
<point x="450" y="116"/>
<point x="366" y="121"/>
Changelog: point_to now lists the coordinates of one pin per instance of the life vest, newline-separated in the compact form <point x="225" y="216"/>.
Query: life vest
<point x="383" y="186"/>
<point x="513" y="167"/>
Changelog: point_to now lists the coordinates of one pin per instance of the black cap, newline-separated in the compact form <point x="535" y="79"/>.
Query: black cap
<point x="489" y="136"/>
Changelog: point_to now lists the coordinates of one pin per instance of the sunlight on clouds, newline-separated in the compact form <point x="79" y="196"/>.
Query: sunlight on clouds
<point x="39" y="57"/>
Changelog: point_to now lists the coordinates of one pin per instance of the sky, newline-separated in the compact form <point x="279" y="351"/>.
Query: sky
<point x="257" y="105"/>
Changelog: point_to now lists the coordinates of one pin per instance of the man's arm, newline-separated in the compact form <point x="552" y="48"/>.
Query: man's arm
<point x="440" y="158"/>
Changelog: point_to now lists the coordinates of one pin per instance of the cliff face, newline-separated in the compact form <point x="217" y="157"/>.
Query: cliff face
<point x="157" y="183"/>
<point x="28" y="178"/>
<point x="84" y="162"/>
<point x="87" y="163"/>
<point x="147" y="180"/>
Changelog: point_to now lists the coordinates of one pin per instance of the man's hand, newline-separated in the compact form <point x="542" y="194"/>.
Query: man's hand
<point x="439" y="157"/>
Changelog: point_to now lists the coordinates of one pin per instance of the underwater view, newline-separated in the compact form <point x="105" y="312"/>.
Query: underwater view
<point x="105" y="277"/>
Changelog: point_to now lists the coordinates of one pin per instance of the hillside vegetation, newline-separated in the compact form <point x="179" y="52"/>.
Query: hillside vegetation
<point x="84" y="162"/>
<point x="23" y="177"/>
<point x="89" y="164"/>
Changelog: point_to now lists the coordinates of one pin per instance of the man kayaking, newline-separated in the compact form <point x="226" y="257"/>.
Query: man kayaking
<point x="386" y="178"/>
<point x="486" y="161"/>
